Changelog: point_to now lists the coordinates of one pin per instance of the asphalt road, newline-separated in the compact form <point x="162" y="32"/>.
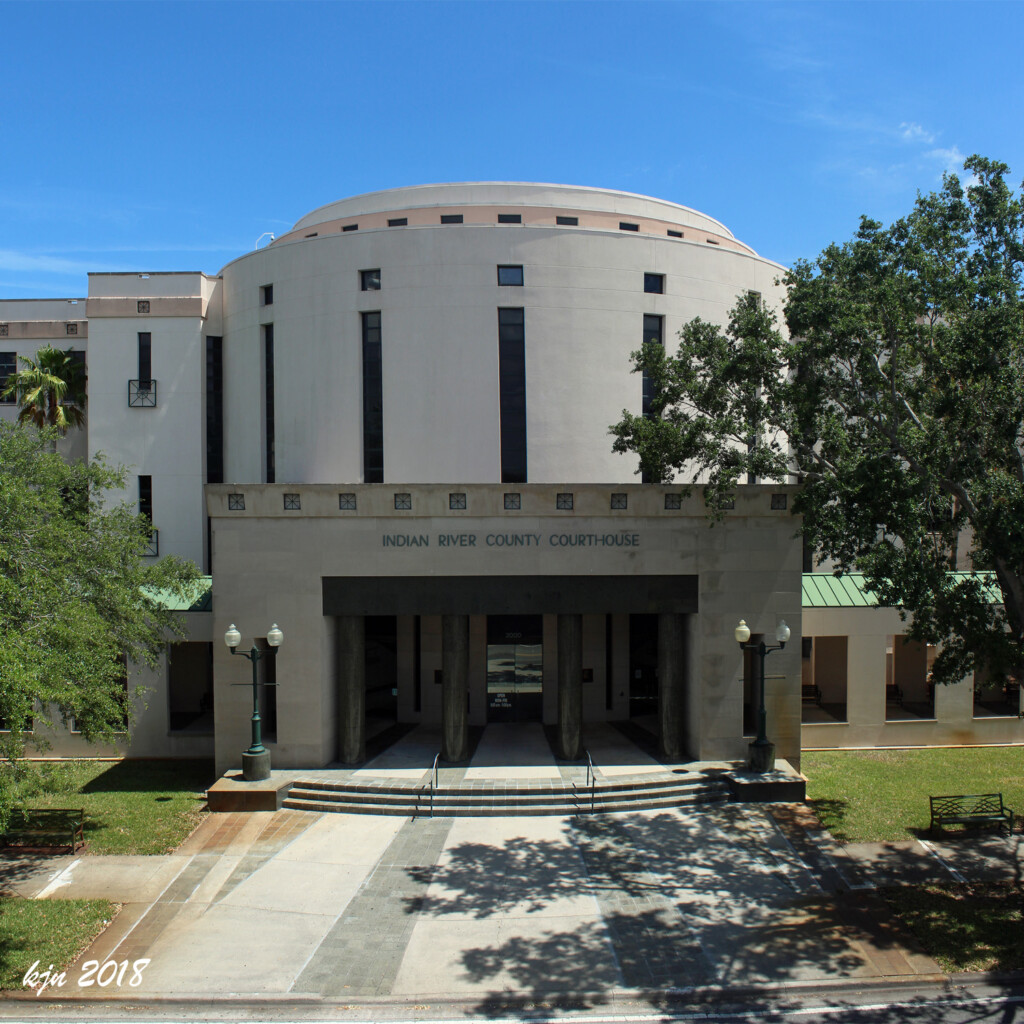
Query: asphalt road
<point x="966" y="1003"/>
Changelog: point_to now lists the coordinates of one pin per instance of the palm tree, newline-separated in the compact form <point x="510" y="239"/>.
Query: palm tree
<point x="50" y="389"/>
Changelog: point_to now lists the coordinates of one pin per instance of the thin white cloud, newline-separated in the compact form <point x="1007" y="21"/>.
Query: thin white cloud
<point x="951" y="159"/>
<point x="236" y="247"/>
<point x="24" y="262"/>
<point x="911" y="131"/>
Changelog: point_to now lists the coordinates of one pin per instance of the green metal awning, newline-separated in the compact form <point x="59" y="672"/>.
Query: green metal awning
<point x="202" y="603"/>
<point x="823" y="590"/>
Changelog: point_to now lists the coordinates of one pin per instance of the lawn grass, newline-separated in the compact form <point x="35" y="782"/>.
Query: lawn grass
<point x="136" y="807"/>
<point x="977" y="927"/>
<point x="50" y="931"/>
<point x="882" y="795"/>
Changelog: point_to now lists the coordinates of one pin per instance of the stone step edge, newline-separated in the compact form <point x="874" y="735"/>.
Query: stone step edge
<point x="448" y="811"/>
<point x="470" y="798"/>
<point x="500" y="788"/>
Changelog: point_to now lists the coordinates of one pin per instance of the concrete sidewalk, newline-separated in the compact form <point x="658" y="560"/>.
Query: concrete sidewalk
<point x="337" y="906"/>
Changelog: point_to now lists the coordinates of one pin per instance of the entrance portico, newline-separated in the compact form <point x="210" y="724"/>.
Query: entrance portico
<point x="533" y="670"/>
<point x="484" y="610"/>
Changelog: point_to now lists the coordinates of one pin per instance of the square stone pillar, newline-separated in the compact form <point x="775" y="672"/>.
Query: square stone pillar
<point x="454" y="687"/>
<point x="351" y="640"/>
<point x="570" y="686"/>
<point x="672" y="686"/>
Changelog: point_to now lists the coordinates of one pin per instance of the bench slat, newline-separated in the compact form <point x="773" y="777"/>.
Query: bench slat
<point x="969" y="809"/>
<point x="66" y="822"/>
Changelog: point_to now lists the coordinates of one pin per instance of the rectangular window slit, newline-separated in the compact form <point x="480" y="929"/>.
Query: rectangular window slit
<point x="373" y="400"/>
<point x="512" y="394"/>
<point x="268" y="402"/>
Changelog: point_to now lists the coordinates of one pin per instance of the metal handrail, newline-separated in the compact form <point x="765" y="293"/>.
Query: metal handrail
<point x="433" y="782"/>
<point x="591" y="778"/>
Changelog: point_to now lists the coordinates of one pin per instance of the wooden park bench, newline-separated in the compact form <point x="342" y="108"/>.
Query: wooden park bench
<point x="46" y="826"/>
<point x="893" y="694"/>
<point x="811" y="693"/>
<point x="979" y="809"/>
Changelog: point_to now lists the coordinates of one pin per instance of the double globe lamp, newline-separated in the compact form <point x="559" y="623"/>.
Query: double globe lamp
<point x="255" y="760"/>
<point x="762" y="752"/>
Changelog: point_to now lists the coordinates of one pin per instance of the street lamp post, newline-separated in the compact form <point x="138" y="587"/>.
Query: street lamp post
<point x="255" y="760"/>
<point x="762" y="751"/>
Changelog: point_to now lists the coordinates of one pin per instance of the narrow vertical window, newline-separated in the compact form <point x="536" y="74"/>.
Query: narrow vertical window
<point x="146" y="498"/>
<point x="145" y="359"/>
<point x="268" y="400"/>
<point x="373" y="400"/>
<point x="653" y="334"/>
<point x="214" y="410"/>
<point x="8" y="366"/>
<point x="512" y="394"/>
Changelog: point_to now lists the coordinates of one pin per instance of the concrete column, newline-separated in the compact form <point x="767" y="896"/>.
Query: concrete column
<point x="693" y="695"/>
<point x="454" y="680"/>
<point x="570" y="686"/>
<point x="351" y="689"/>
<point x="672" y="685"/>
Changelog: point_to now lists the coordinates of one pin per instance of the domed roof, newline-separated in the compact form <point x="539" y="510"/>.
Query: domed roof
<point x="514" y="193"/>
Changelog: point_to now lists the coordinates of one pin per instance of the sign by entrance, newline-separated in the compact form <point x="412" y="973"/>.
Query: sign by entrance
<point x="515" y="668"/>
<point x="619" y="539"/>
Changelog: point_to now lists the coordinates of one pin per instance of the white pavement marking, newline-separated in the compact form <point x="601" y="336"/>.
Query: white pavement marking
<point x="59" y="880"/>
<point x="821" y="843"/>
<point x="928" y="848"/>
<point x="784" y="868"/>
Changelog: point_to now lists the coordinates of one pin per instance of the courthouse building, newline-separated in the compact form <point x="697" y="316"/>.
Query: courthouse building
<point x="387" y="431"/>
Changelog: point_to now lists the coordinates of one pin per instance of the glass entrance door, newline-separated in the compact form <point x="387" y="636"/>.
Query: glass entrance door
<point x="515" y="668"/>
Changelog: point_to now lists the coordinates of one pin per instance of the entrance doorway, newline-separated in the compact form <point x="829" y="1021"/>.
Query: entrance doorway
<point x="381" y="653"/>
<point x="643" y="668"/>
<point x="515" y="668"/>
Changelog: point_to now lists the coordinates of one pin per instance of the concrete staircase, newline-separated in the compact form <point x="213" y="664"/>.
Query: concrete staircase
<point x="506" y="798"/>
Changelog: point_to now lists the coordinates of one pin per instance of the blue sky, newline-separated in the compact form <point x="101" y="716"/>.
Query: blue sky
<point x="151" y="136"/>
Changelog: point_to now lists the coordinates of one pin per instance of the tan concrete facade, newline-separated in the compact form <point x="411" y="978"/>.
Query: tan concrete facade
<point x="272" y="565"/>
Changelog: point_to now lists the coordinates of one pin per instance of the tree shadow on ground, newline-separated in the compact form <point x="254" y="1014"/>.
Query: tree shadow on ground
<point x="158" y="776"/>
<point x="20" y="869"/>
<point x="832" y="814"/>
<point x="972" y="926"/>
<point x="656" y="901"/>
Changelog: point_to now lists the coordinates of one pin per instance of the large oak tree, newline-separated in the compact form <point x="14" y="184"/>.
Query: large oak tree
<point x="896" y="398"/>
